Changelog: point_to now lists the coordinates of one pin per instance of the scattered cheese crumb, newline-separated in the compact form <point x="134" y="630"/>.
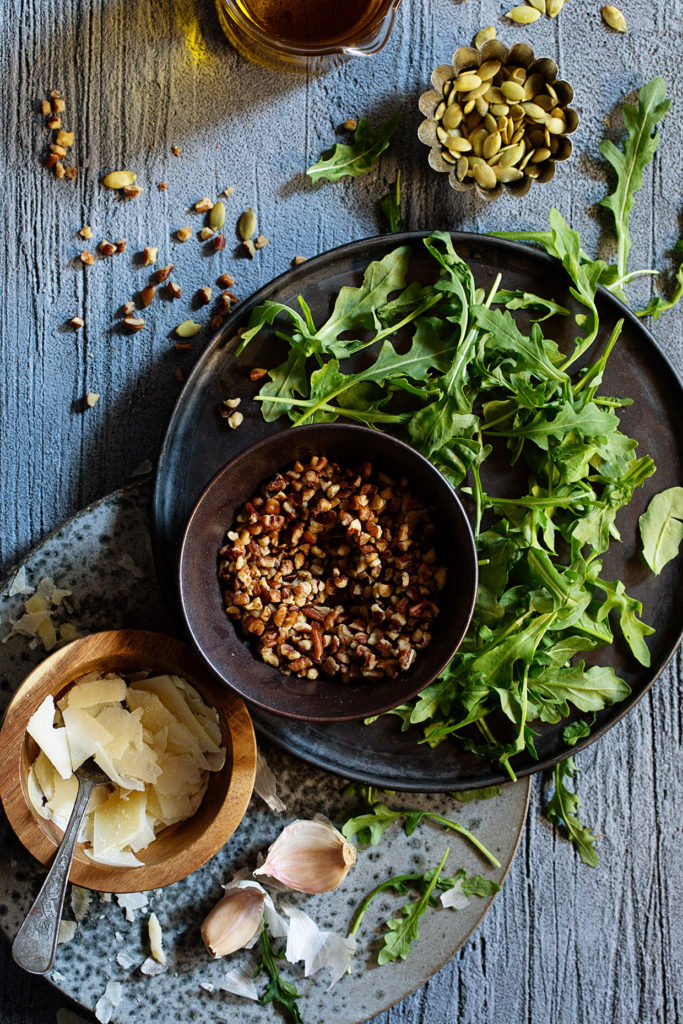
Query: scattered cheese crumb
<point x="92" y="398"/>
<point x="155" y="939"/>
<point x="125" y="960"/>
<point x="80" y="901"/>
<point x="151" y="968"/>
<point x="19" y="584"/>
<point x="108" y="1002"/>
<point x="67" y="930"/>
<point x="130" y="902"/>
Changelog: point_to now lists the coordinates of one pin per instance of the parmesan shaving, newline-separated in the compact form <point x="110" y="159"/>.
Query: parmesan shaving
<point x="67" y="930"/>
<point x="107" y="1003"/>
<point x="37" y="622"/>
<point x="80" y="901"/>
<point x="19" y="584"/>
<point x="130" y="902"/>
<point x="454" y="897"/>
<point x="155" y="939"/>
<point x="151" y="968"/>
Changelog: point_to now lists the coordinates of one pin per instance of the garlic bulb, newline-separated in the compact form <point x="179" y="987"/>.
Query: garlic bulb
<point x="235" y="920"/>
<point x="309" y="856"/>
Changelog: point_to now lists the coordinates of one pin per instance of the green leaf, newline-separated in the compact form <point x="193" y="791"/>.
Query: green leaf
<point x="629" y="163"/>
<point x="629" y="610"/>
<point x="391" y="207"/>
<point x="266" y="314"/>
<point x="279" y="991"/>
<point x="529" y="350"/>
<point x="368" y="829"/>
<point x="587" y="689"/>
<point x="661" y="528"/>
<point x="402" y="931"/>
<point x="575" y="731"/>
<point x="589" y="421"/>
<point x="657" y="305"/>
<point x="287" y="380"/>
<point x="562" y="810"/>
<point x="359" y="157"/>
<point x="518" y="299"/>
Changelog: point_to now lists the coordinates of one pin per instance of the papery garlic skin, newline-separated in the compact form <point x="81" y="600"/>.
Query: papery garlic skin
<point x="235" y="921"/>
<point x="309" y="856"/>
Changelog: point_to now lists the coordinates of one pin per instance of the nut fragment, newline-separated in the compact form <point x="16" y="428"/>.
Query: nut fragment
<point x="225" y="281"/>
<point x="57" y="150"/>
<point x="182" y="234"/>
<point x="106" y="248"/>
<point x="91" y="399"/>
<point x="86" y="231"/>
<point x="127" y="308"/>
<point x="133" y="323"/>
<point x="121" y="245"/>
<point x="149" y="255"/>
<point x="183" y="346"/>
<point x="163" y="273"/>
<point x="87" y="258"/>
<point x="54" y="122"/>
<point x="58" y="105"/>
<point x="174" y="290"/>
<point x="219" y="243"/>
<point x="235" y="420"/>
<point x="216" y="321"/>
<point x="175" y="150"/>
<point x="261" y="241"/>
<point x="162" y="186"/>
<point x="147" y="294"/>
<point x="298" y="260"/>
<point x="204" y="295"/>
<point x="77" y="322"/>
<point x="45" y="108"/>
<point x="229" y="191"/>
<point x="613" y="17"/>
<point x="188" y="329"/>
<point x="119" y="179"/>
<point x="257" y="373"/>
<point x="132" y="191"/>
<point x="203" y="205"/>
<point x="350" y="124"/>
<point x="249" y="248"/>
<point x="65" y="139"/>
<point x="206" y="233"/>
<point x="59" y="169"/>
<point x="231" y="403"/>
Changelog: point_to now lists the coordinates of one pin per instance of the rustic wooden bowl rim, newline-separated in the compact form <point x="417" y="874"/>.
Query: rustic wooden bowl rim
<point x="189" y="844"/>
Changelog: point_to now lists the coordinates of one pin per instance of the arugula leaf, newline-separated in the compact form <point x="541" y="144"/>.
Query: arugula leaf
<point x="638" y="150"/>
<point x="575" y="731"/>
<point x="562" y="810"/>
<point x="587" y="689"/>
<point x="518" y="299"/>
<point x="279" y="991"/>
<point x="657" y="305"/>
<point x="359" y="157"/>
<point x="391" y="207"/>
<point x="403" y="930"/>
<point x="629" y="610"/>
<point x="661" y="528"/>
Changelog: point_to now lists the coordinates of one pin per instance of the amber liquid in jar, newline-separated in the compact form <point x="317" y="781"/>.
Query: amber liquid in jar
<point x="309" y="21"/>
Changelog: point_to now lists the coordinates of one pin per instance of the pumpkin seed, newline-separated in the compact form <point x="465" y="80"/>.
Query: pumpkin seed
<point x="534" y="112"/>
<point x="538" y="4"/>
<point x="523" y="15"/>
<point x="467" y="82"/>
<point x="551" y="92"/>
<point x="452" y="118"/>
<point x="448" y="158"/>
<point x="473" y="120"/>
<point x="477" y="138"/>
<point x="484" y="176"/>
<point x="459" y="145"/>
<point x="518" y="74"/>
<point x="440" y="110"/>
<point x="517" y="136"/>
<point x="217" y="216"/>
<point x="540" y="155"/>
<point x="469" y="107"/>
<point x="489" y="70"/>
<point x="483" y="36"/>
<point x="119" y="179"/>
<point x="507" y="174"/>
<point x="441" y="134"/>
<point x="544" y="102"/>
<point x="526" y="159"/>
<point x="462" y="168"/>
<point x="533" y="170"/>
<point x="499" y="109"/>
<point x="512" y="155"/>
<point x="546" y="137"/>
<point x="534" y="84"/>
<point x="555" y="125"/>
<point x="490" y="124"/>
<point x="494" y="95"/>
<point x="246" y="225"/>
<point x="613" y="17"/>
<point x="553" y="7"/>
<point x="187" y="329"/>
<point x="512" y="91"/>
<point x="554" y="144"/>
<point x="491" y="146"/>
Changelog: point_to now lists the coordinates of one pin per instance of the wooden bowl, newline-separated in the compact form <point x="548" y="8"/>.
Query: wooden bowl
<point x="179" y="849"/>
<point x="224" y="646"/>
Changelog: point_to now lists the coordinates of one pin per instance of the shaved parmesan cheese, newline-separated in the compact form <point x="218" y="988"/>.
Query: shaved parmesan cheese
<point x="19" y="584"/>
<point x="124" y="859"/>
<point x="130" y="902"/>
<point x="151" y="968"/>
<point x="67" y="930"/>
<point x="155" y="939"/>
<point x="84" y="734"/>
<point x="107" y="1003"/>
<point x="118" y="821"/>
<point x="97" y="691"/>
<point x="172" y="697"/>
<point x="80" y="901"/>
<point x="455" y="897"/>
<point x="52" y="742"/>
<point x="264" y="785"/>
<point x="126" y="961"/>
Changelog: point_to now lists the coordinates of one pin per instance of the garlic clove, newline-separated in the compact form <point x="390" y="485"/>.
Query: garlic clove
<point x="235" y="921"/>
<point x="309" y="856"/>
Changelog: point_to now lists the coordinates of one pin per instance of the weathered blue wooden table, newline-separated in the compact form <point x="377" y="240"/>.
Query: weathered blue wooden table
<point x="563" y="943"/>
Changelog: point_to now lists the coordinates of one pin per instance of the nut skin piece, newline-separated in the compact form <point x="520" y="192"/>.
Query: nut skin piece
<point x="87" y="258"/>
<point x="183" y="234"/>
<point x="162" y="186"/>
<point x="219" y="242"/>
<point x="51" y="160"/>
<point x="132" y="191"/>
<point x="183" y="346"/>
<point x="216" y="322"/>
<point x="147" y="294"/>
<point x="133" y="323"/>
<point x="225" y="281"/>
<point x="257" y="373"/>
<point x="175" y="150"/>
<point x="249" y="248"/>
<point x="204" y="295"/>
<point x="179" y="373"/>
<point x="163" y="273"/>
<point x="149" y="255"/>
<point x="106" y="248"/>
<point x="174" y="290"/>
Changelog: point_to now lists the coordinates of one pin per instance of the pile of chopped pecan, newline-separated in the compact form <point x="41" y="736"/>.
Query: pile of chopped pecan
<point x="333" y="570"/>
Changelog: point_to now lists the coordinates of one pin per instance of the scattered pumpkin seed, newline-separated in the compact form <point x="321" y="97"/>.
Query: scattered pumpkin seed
<point x="462" y="168"/>
<point x="119" y="179"/>
<point x="217" y="216"/>
<point x="533" y="111"/>
<point x="483" y="36"/>
<point x="613" y="17"/>
<point x="188" y="329"/>
<point x="459" y="145"/>
<point x="538" y="4"/>
<point x="246" y="225"/>
<point x="452" y="118"/>
<point x="553" y="7"/>
<point x="540" y="155"/>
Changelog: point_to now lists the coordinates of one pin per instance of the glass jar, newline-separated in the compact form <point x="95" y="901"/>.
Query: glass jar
<point x="343" y="29"/>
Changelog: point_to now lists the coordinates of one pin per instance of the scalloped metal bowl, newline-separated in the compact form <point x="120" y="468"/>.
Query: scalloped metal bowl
<point x="467" y="58"/>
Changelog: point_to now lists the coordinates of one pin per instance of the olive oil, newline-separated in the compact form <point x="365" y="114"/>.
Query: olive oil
<point x="309" y="21"/>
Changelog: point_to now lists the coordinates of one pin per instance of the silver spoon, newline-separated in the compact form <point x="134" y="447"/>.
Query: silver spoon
<point x="35" y="943"/>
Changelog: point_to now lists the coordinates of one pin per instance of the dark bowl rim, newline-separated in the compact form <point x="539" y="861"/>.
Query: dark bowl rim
<point x="269" y="442"/>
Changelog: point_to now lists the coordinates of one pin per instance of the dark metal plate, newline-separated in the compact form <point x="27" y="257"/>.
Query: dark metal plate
<point x="198" y="443"/>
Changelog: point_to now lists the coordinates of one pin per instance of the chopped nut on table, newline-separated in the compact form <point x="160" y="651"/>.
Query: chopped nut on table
<point x="147" y="294"/>
<point x="91" y="399"/>
<point x="206" y="233"/>
<point x="225" y="281"/>
<point x="203" y="205"/>
<point x="149" y="255"/>
<point x="77" y="322"/>
<point x="163" y="273"/>
<point x="121" y="245"/>
<point x="257" y="373"/>
<point x="87" y="258"/>
<point x="106" y="248"/>
<point x="128" y="307"/>
<point x="219" y="242"/>
<point x="298" y="260"/>
<point x="86" y="232"/>
<point x="204" y="295"/>
<point x="133" y="323"/>
<point x="333" y="570"/>
<point x="174" y="290"/>
<point x="132" y="191"/>
<point x="183" y="234"/>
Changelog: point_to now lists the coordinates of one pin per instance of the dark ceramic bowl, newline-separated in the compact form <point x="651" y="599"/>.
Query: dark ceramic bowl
<point x="222" y="644"/>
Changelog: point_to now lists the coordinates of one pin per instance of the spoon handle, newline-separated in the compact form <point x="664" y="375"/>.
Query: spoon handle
<point x="35" y="944"/>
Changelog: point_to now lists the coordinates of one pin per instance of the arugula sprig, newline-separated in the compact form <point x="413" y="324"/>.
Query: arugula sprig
<point x="368" y="828"/>
<point x="358" y="157"/>
<point x="403" y="930"/>
<point x="278" y="991"/>
<point x="390" y="206"/>
<point x="562" y="809"/>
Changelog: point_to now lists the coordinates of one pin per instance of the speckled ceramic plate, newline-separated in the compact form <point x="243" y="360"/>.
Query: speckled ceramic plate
<point x="198" y="443"/>
<point x="103" y="556"/>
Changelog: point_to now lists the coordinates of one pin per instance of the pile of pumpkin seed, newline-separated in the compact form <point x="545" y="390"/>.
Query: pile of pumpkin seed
<point x="497" y="123"/>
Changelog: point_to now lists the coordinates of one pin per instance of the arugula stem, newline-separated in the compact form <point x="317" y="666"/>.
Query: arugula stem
<point x="394" y="328"/>
<point x="391" y="883"/>
<point x="456" y="827"/>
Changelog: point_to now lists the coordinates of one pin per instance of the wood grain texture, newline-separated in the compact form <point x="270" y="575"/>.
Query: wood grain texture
<point x="178" y="850"/>
<point x="563" y="942"/>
